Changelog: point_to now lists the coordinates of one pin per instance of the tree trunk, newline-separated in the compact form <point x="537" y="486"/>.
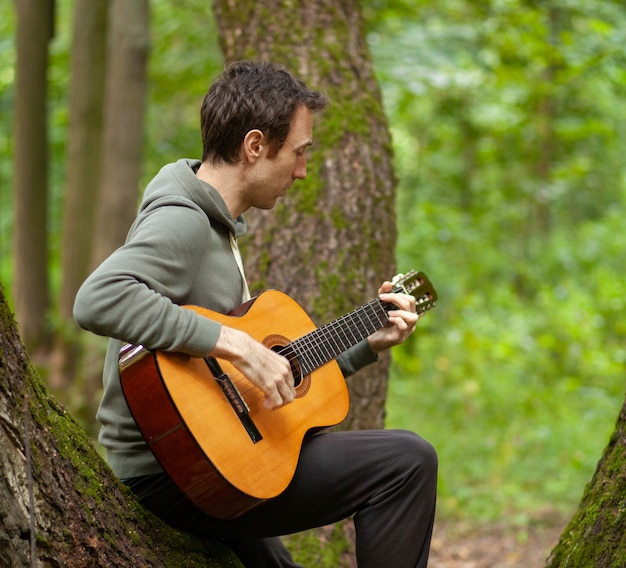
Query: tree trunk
<point x="331" y="242"/>
<point x="83" y="174"/>
<point x="35" y="23"/>
<point x="84" y="144"/>
<point x="126" y="85"/>
<point x="595" y="535"/>
<point x="60" y="505"/>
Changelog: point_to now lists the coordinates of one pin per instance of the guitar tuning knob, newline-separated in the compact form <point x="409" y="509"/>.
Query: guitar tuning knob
<point x="397" y="278"/>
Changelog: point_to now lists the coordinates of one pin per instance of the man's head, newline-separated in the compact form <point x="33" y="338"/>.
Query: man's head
<point x="252" y="95"/>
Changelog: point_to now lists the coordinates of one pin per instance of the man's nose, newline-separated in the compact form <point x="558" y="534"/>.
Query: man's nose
<point x="299" y="171"/>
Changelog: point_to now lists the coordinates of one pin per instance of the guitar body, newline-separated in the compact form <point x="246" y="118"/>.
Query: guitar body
<point x="197" y="436"/>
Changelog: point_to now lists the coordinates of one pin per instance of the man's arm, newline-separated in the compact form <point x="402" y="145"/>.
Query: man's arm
<point x="261" y="366"/>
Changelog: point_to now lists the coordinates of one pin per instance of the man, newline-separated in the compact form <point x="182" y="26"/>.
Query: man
<point x="257" y="122"/>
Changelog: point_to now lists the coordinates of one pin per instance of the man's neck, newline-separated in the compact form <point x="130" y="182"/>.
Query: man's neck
<point x="226" y="180"/>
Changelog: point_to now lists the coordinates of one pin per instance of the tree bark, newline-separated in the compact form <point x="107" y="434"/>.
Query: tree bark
<point x="595" y="535"/>
<point x="126" y="85"/>
<point x="31" y="297"/>
<point x="331" y="242"/>
<point x="60" y="505"/>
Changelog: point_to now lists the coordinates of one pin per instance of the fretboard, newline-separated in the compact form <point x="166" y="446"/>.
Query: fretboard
<point x="331" y="340"/>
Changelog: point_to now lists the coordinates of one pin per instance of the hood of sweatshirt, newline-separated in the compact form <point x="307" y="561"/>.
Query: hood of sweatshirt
<point x="177" y="182"/>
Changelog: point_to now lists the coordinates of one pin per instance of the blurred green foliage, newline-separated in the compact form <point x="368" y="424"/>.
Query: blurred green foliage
<point x="509" y="132"/>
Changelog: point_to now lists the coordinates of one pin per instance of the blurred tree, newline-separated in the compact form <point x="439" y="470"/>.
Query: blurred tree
<point x="125" y="101"/>
<point x="35" y="29"/>
<point x="84" y="158"/>
<point x="105" y="149"/>
<point x="331" y="242"/>
<point x="498" y="108"/>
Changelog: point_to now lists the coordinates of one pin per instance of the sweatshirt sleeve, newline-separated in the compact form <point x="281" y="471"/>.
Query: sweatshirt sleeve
<point x="135" y="295"/>
<point x="355" y="358"/>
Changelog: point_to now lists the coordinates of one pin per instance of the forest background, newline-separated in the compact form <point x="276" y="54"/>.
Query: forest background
<point x="509" y="132"/>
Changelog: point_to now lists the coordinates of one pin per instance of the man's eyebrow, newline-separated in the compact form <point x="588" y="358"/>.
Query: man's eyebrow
<point x="305" y="144"/>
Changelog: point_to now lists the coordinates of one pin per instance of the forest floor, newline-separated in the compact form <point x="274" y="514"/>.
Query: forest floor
<point x="463" y="546"/>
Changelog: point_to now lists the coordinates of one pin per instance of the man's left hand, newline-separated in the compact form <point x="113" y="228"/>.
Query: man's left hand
<point x="401" y="320"/>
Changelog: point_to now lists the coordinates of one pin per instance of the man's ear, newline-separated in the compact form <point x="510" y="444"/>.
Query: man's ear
<point x="253" y="145"/>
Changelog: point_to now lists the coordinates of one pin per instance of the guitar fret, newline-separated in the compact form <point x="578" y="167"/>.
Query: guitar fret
<point x="327" y="342"/>
<point x="303" y="356"/>
<point x="329" y="351"/>
<point x="333" y="344"/>
<point x="350" y="329"/>
<point x="368" y="323"/>
<point x="313" y="345"/>
<point x="331" y="340"/>
<point x="381" y="316"/>
<point x="313" y="358"/>
<point x="340" y="328"/>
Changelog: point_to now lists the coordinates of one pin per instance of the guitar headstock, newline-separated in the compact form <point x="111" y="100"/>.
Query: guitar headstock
<point x="418" y="285"/>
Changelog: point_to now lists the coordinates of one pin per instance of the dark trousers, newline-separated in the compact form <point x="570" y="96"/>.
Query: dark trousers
<point x="386" y="479"/>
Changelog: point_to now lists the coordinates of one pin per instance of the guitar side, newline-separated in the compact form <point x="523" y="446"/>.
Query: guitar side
<point x="197" y="436"/>
<point x="173" y="445"/>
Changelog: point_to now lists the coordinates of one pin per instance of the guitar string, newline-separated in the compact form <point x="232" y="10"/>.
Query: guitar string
<point x="345" y="325"/>
<point x="331" y="340"/>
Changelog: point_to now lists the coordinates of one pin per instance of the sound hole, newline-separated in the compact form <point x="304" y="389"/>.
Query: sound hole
<point x="280" y="344"/>
<point x="296" y="370"/>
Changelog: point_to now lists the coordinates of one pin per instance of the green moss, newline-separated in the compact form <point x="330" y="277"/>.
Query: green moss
<point x="328" y="303"/>
<point x="310" y="191"/>
<point x="338" y="218"/>
<point x="594" y="536"/>
<point x="310" y="548"/>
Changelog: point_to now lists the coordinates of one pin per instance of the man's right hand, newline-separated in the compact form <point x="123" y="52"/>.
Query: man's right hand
<point x="261" y="366"/>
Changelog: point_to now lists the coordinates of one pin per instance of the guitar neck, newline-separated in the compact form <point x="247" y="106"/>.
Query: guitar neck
<point x="331" y="340"/>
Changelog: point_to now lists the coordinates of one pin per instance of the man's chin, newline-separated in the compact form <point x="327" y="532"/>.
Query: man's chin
<point x="267" y="206"/>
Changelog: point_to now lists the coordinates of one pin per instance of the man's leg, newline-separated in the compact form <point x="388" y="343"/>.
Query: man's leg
<point x="387" y="479"/>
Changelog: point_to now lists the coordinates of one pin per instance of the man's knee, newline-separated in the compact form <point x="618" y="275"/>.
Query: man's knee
<point x="417" y="452"/>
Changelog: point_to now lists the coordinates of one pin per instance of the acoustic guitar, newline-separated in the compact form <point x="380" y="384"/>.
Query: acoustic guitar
<point x="206" y="423"/>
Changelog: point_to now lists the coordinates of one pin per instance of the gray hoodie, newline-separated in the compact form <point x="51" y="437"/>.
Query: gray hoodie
<point x="178" y="251"/>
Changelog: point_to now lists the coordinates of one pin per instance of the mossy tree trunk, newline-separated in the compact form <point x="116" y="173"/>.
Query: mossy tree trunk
<point x="596" y="535"/>
<point x="60" y="505"/>
<point x="330" y="242"/>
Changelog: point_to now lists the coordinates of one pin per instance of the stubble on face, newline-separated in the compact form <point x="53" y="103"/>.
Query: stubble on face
<point x="277" y="174"/>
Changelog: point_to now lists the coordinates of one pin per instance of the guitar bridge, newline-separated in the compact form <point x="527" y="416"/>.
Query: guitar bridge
<point x="234" y="398"/>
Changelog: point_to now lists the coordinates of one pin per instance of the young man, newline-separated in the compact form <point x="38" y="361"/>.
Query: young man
<point x="257" y="122"/>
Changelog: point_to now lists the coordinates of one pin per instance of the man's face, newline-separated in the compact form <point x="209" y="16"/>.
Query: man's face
<point x="272" y="177"/>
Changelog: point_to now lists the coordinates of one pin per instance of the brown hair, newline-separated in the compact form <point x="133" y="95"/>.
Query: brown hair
<point x="252" y="95"/>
